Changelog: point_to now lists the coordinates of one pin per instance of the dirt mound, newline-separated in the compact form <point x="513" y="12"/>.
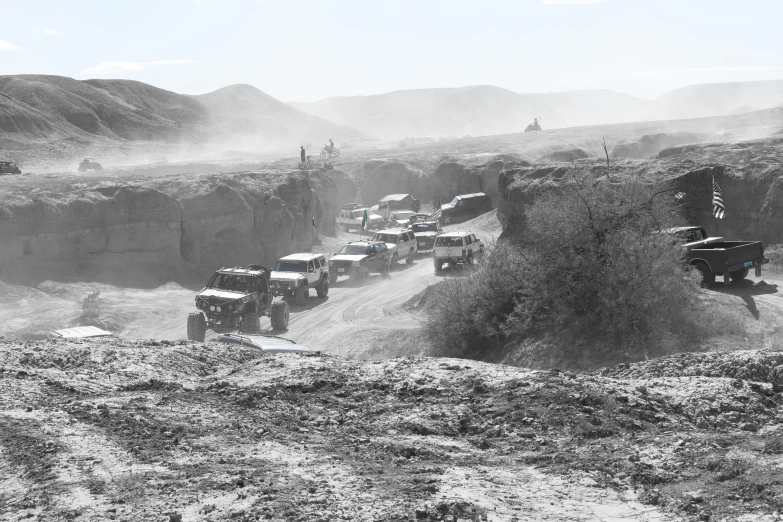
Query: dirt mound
<point x="651" y="144"/>
<point x="395" y="178"/>
<point x="347" y="188"/>
<point x="568" y="155"/>
<point x="134" y="429"/>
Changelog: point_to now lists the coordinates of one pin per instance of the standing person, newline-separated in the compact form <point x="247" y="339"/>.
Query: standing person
<point x="331" y="146"/>
<point x="302" y="155"/>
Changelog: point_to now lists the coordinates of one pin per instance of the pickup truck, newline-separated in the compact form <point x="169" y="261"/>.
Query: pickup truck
<point x="715" y="256"/>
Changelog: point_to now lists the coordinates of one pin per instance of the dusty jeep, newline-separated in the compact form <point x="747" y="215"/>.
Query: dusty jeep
<point x="89" y="164"/>
<point x="9" y="167"/>
<point x="236" y="298"/>
<point x="294" y="275"/>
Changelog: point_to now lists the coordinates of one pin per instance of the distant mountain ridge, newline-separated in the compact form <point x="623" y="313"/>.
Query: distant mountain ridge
<point x="43" y="108"/>
<point x="484" y="110"/>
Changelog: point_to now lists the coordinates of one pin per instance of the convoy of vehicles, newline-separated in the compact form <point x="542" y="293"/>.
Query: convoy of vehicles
<point x="358" y="259"/>
<point x="465" y="207"/>
<point x="401" y="243"/>
<point x="713" y="256"/>
<point x="294" y="276"/>
<point x="455" y="248"/>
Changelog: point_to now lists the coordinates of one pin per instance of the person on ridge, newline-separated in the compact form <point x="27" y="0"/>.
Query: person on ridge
<point x="302" y="154"/>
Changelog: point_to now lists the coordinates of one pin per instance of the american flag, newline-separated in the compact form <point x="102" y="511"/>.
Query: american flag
<point x="437" y="213"/>
<point x="718" y="209"/>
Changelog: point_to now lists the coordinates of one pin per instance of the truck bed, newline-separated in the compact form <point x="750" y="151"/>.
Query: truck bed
<point x="733" y="255"/>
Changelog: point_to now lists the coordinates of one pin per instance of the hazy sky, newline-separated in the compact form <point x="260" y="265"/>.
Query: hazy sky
<point x="304" y="50"/>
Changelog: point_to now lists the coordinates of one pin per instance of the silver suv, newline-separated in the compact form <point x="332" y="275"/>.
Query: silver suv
<point x="401" y="243"/>
<point x="295" y="275"/>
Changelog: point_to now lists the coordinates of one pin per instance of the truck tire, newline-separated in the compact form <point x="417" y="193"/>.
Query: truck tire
<point x="707" y="276"/>
<point x="197" y="327"/>
<point x="739" y="275"/>
<point x="469" y="259"/>
<point x="438" y="265"/>
<point x="279" y="315"/>
<point x="302" y="295"/>
<point x="250" y="323"/>
<point x="416" y="205"/>
<point x="323" y="288"/>
<point x="409" y="260"/>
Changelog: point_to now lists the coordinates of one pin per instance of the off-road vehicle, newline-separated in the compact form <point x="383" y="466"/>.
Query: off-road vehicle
<point x="457" y="248"/>
<point x="465" y="207"/>
<point x="399" y="202"/>
<point x="9" y="167"/>
<point x="358" y="258"/>
<point x="713" y="256"/>
<point x="89" y="164"/>
<point x="236" y="298"/>
<point x="400" y="242"/>
<point x="426" y="232"/>
<point x="352" y="219"/>
<point x="294" y="276"/>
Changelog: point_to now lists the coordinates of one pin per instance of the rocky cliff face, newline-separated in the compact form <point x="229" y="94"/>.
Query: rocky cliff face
<point x="227" y="219"/>
<point x="750" y="175"/>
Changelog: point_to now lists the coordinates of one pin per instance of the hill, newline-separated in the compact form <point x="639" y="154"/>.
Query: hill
<point x="41" y="107"/>
<point x="243" y="110"/>
<point x="486" y="110"/>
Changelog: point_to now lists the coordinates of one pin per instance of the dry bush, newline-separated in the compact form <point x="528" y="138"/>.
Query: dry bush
<point x="591" y="265"/>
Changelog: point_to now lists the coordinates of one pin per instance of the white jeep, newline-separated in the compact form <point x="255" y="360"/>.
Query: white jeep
<point x="352" y="219"/>
<point x="295" y="275"/>
<point x="401" y="243"/>
<point x="458" y="247"/>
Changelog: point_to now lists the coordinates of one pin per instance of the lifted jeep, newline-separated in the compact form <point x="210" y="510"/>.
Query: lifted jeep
<point x="294" y="275"/>
<point x="236" y="298"/>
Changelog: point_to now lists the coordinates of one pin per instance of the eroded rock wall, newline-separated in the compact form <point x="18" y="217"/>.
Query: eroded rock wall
<point x="227" y="219"/>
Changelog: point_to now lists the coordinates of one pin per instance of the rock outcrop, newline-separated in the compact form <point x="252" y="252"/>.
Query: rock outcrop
<point x="226" y="219"/>
<point x="651" y="144"/>
<point x="395" y="178"/>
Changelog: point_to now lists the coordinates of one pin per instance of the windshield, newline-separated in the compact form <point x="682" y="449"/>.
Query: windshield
<point x="236" y="283"/>
<point x="425" y="227"/>
<point x="400" y="216"/>
<point x="290" y="266"/>
<point x="362" y="250"/>
<point x="455" y="201"/>
<point x="445" y="241"/>
<point x="386" y="238"/>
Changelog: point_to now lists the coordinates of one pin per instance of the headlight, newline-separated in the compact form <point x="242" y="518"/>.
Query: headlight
<point x="356" y="263"/>
<point x="217" y="309"/>
<point x="211" y="308"/>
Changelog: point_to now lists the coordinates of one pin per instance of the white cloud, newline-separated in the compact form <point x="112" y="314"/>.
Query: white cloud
<point x="7" y="46"/>
<point x="700" y="71"/>
<point x="574" y="2"/>
<point x="50" y="32"/>
<point x="120" y="67"/>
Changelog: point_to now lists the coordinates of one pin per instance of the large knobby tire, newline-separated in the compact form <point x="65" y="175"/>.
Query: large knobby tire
<point x="250" y="323"/>
<point x="302" y="296"/>
<point x="438" y="265"/>
<point x="469" y="259"/>
<point x="739" y="275"/>
<point x="409" y="260"/>
<point x="446" y="219"/>
<point x="197" y="327"/>
<point x="323" y="288"/>
<point x="279" y="315"/>
<point x="707" y="276"/>
<point x="416" y="205"/>
<point x="336" y="153"/>
<point x="323" y="153"/>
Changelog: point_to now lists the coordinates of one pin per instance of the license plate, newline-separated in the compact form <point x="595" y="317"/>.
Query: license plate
<point x="422" y="244"/>
<point x="340" y="270"/>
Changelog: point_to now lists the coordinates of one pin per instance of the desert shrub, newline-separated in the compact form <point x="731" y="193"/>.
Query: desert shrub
<point x="591" y="264"/>
<point x="775" y="255"/>
<point x="92" y="310"/>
